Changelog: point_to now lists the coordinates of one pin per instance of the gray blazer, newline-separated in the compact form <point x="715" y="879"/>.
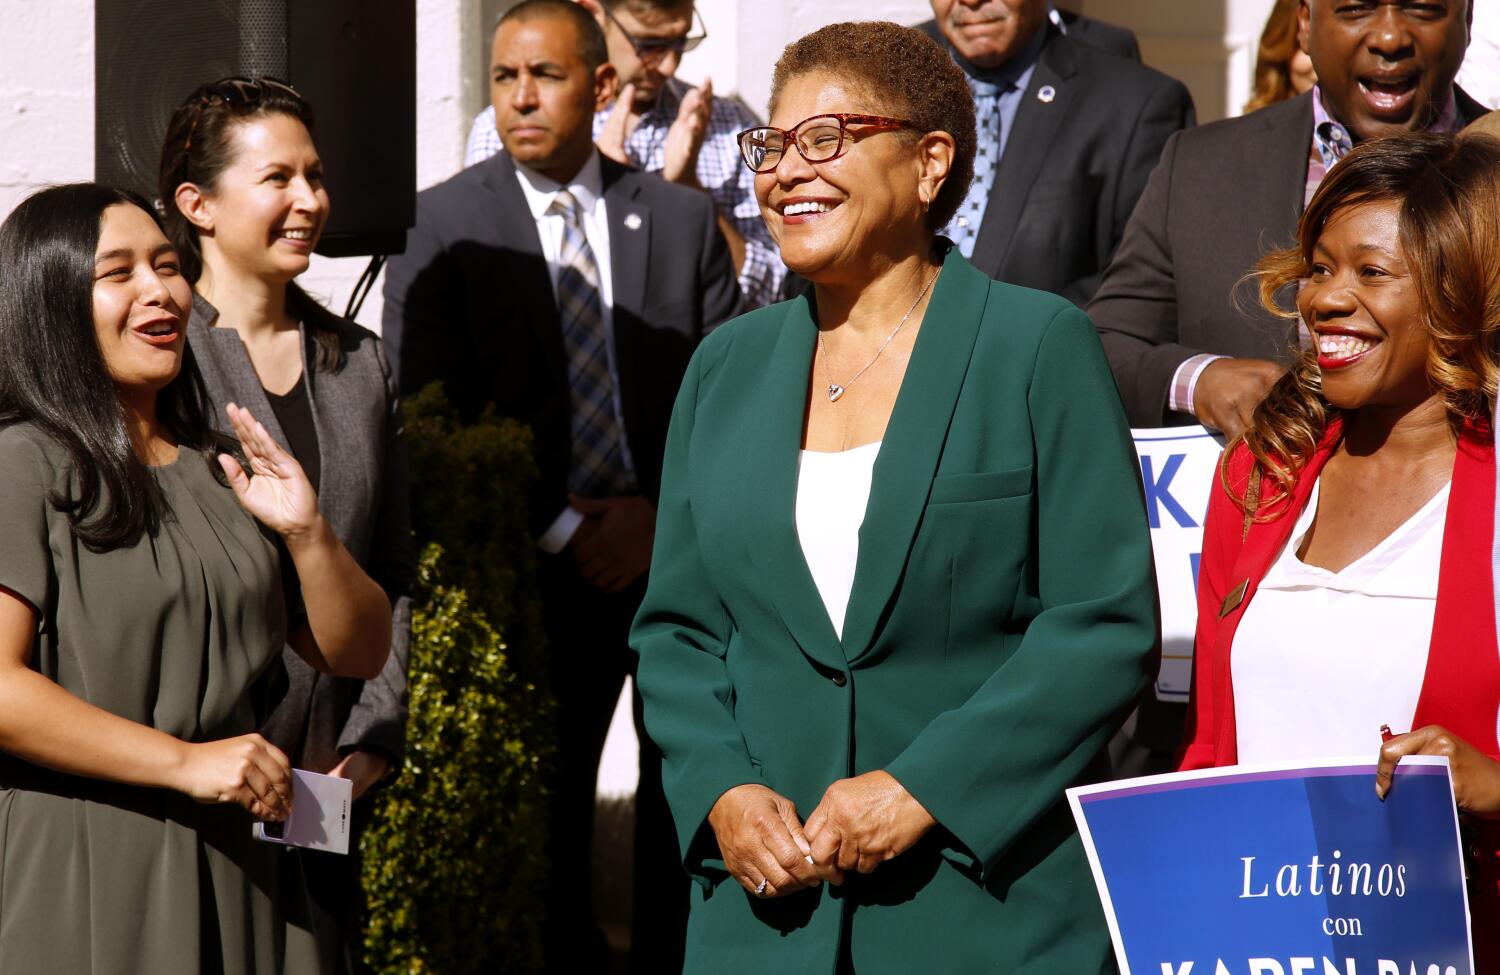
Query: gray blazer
<point x="363" y="495"/>
<point x="1222" y="196"/>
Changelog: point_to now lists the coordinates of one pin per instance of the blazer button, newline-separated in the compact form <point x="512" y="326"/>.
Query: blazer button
<point x="839" y="680"/>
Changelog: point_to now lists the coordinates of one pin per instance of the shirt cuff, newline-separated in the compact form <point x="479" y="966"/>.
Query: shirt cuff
<point x="1185" y="380"/>
<point x="560" y="534"/>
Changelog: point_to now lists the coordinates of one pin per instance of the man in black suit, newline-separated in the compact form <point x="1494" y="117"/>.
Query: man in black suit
<point x="1068" y="134"/>
<point x="1097" y="33"/>
<point x="569" y="291"/>
<point x="1224" y="194"/>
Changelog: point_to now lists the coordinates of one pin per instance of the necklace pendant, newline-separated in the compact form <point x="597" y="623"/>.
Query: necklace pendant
<point x="834" y="392"/>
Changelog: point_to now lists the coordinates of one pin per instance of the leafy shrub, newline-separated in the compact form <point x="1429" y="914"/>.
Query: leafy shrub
<point x="454" y="858"/>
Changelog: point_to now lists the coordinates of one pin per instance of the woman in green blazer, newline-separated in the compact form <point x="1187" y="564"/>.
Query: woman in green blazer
<point x="925" y="623"/>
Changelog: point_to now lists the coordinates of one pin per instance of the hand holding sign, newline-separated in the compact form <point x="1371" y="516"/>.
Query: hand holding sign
<point x="1476" y="776"/>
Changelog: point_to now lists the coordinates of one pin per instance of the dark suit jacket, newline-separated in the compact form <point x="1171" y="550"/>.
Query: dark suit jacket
<point x="1223" y="196"/>
<point x="1105" y="36"/>
<point x="470" y="303"/>
<point x="1001" y="620"/>
<point x="1074" y="166"/>
<point x="364" y="497"/>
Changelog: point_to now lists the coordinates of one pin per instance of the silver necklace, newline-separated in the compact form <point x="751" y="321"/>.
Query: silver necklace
<point x="834" y="389"/>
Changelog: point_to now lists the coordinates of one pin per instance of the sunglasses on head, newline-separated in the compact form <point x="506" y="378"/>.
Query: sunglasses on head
<point x="237" y="92"/>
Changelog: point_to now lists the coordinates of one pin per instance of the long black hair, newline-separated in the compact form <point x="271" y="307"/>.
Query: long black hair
<point x="53" y="374"/>
<point x="199" y="146"/>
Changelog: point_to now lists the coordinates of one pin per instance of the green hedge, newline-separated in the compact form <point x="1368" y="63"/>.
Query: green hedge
<point x="453" y="861"/>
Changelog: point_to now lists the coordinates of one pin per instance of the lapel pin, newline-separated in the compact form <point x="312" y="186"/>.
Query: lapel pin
<point x="632" y="221"/>
<point x="1046" y="94"/>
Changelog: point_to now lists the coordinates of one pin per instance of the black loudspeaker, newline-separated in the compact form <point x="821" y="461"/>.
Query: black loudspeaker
<point x="354" y="60"/>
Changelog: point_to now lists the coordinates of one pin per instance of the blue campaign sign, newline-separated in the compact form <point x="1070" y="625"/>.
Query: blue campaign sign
<point x="1262" y="870"/>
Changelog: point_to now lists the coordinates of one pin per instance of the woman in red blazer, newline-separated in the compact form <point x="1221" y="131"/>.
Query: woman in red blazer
<point x="1349" y="461"/>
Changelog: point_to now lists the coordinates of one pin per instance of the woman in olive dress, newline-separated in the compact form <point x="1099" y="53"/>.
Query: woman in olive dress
<point x="148" y="581"/>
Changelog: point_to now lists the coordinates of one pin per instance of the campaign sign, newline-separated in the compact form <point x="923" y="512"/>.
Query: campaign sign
<point x="1179" y="466"/>
<point x="1278" y="870"/>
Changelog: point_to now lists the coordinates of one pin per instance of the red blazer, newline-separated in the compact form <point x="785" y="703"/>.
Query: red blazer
<point x="1461" y="687"/>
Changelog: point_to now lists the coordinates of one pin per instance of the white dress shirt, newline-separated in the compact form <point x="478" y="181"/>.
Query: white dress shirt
<point x="588" y="189"/>
<point x="1322" y="659"/>
<point x="833" y="491"/>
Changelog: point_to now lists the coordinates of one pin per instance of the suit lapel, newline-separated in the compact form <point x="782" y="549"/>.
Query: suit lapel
<point x="1032" y="135"/>
<point x="629" y="239"/>
<point x="913" y="444"/>
<point x="1288" y="136"/>
<point x="222" y="351"/>
<point x="526" y="293"/>
<point x="770" y="452"/>
<point x="630" y="262"/>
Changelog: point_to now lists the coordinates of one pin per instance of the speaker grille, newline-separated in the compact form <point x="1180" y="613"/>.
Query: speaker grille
<point x="150" y="54"/>
<point x="354" y="60"/>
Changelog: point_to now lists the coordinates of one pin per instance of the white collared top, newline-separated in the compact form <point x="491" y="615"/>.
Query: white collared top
<point x="588" y="189"/>
<point x="1322" y="659"/>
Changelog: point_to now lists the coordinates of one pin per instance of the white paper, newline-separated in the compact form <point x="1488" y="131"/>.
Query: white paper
<point x="320" y="814"/>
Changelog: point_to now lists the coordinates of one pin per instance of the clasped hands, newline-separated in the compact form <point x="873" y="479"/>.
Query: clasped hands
<point x="859" y="824"/>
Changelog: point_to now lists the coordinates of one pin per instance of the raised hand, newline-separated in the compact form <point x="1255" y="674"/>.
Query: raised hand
<point x="685" y="137"/>
<point x="618" y="127"/>
<point x="275" y="489"/>
<point x="247" y="770"/>
<point x="864" y="821"/>
<point x="761" y="841"/>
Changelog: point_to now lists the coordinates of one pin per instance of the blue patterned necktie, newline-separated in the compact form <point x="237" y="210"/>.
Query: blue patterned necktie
<point x="964" y="227"/>
<point x="598" y="468"/>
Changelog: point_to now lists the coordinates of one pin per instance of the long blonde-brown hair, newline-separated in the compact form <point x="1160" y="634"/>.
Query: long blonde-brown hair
<point x="1273" y="61"/>
<point x="1448" y="193"/>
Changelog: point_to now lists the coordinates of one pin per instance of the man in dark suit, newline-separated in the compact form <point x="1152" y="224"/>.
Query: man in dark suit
<point x="569" y="291"/>
<point x="1097" y="33"/>
<point x="1175" y="296"/>
<point x="1068" y="134"/>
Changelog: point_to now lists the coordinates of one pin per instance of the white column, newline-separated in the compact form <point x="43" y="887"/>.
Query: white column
<point x="46" y="96"/>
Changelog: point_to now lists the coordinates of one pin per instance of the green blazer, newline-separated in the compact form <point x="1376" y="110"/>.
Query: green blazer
<point x="1002" y="620"/>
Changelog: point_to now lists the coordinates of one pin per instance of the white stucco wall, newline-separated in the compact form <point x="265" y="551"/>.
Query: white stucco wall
<point x="47" y="76"/>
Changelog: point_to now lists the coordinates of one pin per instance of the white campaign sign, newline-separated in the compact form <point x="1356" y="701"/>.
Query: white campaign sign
<point x="1179" y="466"/>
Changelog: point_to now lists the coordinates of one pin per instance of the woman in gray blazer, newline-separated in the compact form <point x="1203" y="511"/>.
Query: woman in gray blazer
<point x="241" y="184"/>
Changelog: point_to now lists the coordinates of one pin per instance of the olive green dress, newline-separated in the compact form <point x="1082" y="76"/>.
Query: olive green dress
<point x="178" y="632"/>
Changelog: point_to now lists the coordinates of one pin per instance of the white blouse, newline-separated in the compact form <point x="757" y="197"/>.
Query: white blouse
<point x="833" y="490"/>
<point x="1322" y="659"/>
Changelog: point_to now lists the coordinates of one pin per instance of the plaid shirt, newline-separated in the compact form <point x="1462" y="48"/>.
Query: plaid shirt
<point x="720" y="171"/>
<point x="1330" y="143"/>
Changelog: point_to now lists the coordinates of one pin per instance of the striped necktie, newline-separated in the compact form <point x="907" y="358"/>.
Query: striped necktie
<point x="598" y="468"/>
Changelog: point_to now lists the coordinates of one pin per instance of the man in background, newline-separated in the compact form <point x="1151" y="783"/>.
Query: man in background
<point x="662" y="125"/>
<point x="1068" y="134"/>
<point x="1183" y="329"/>
<point x="568" y="292"/>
